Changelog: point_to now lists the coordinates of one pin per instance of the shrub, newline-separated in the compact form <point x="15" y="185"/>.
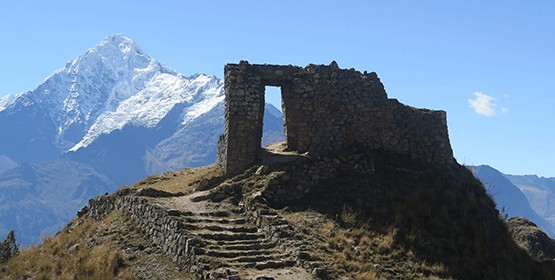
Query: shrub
<point x="8" y="248"/>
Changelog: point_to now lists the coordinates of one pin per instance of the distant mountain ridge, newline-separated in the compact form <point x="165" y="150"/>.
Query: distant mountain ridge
<point x="38" y="198"/>
<point x="519" y="196"/>
<point x="113" y="112"/>
<point x="540" y="192"/>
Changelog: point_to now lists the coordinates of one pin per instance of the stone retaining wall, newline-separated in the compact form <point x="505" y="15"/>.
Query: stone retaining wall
<point x="155" y="221"/>
<point x="300" y="178"/>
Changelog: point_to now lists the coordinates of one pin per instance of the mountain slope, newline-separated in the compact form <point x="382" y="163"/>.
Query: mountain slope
<point x="38" y="199"/>
<point x="540" y="192"/>
<point x="194" y="144"/>
<point x="508" y="198"/>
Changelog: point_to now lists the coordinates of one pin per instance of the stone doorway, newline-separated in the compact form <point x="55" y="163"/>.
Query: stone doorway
<point x="273" y="116"/>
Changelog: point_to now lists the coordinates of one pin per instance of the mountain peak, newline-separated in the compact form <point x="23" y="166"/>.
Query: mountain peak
<point x="110" y="85"/>
<point x="125" y="44"/>
<point x="117" y="54"/>
<point x="118" y="38"/>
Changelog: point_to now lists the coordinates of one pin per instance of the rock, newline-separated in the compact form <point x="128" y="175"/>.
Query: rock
<point x="150" y="192"/>
<point x="263" y="277"/>
<point x="261" y="170"/>
<point x="234" y="277"/>
<point x="74" y="248"/>
<point x="190" y="245"/>
<point x="320" y="273"/>
<point x="83" y="211"/>
<point x="304" y="255"/>
<point x="174" y="212"/>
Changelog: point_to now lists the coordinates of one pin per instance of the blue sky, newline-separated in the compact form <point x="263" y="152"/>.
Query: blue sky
<point x="489" y="64"/>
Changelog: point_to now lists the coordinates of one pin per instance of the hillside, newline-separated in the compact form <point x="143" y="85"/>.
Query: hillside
<point x="361" y="214"/>
<point x="534" y="240"/>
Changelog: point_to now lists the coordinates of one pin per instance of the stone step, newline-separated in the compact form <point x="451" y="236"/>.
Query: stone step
<point x="197" y="219"/>
<point x="276" y="264"/>
<point x="235" y="242"/>
<point x="268" y="264"/>
<point x="219" y="227"/>
<point x="229" y="236"/>
<point x="241" y="246"/>
<point x="221" y="213"/>
<point x="235" y="254"/>
<point x="248" y="261"/>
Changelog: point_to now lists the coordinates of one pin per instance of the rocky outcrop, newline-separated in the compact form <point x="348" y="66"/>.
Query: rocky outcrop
<point x="531" y="238"/>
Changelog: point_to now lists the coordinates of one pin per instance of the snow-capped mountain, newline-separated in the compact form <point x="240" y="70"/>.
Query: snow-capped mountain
<point x="113" y="112"/>
<point x="110" y="86"/>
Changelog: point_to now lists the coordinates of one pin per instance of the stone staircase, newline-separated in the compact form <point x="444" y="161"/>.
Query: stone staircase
<point x="212" y="240"/>
<point x="224" y="239"/>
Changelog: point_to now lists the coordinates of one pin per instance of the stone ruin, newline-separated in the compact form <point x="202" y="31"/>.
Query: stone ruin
<point x="325" y="109"/>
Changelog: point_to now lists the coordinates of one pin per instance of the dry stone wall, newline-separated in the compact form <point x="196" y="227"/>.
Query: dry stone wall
<point x="325" y="109"/>
<point x="155" y="221"/>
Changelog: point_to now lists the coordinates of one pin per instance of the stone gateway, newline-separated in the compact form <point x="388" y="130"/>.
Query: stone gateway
<point x="325" y="109"/>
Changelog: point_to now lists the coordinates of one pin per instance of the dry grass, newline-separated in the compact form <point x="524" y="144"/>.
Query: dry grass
<point x="68" y="256"/>
<point x="348" y="216"/>
<point x="186" y="180"/>
<point x="358" y="251"/>
<point x="113" y="248"/>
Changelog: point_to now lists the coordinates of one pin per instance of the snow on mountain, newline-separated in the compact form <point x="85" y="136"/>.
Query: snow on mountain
<point x="160" y="94"/>
<point x="7" y="100"/>
<point x="95" y="83"/>
<point x="110" y="86"/>
<point x="143" y="92"/>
